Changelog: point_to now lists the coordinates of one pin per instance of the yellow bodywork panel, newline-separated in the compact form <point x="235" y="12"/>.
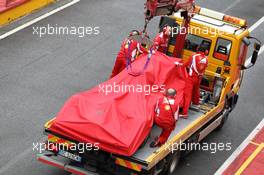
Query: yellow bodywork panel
<point x="26" y="8"/>
<point x="49" y="123"/>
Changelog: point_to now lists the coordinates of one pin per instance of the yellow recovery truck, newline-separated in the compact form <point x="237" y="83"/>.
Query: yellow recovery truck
<point x="228" y="41"/>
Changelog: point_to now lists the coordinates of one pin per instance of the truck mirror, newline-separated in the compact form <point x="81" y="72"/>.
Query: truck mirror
<point x="254" y="57"/>
<point x="257" y="46"/>
<point x="255" y="54"/>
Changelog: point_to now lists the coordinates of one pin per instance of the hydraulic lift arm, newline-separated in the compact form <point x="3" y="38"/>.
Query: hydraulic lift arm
<point x="167" y="7"/>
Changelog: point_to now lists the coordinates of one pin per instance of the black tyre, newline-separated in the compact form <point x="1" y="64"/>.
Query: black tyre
<point x="224" y="119"/>
<point x="233" y="102"/>
<point x="172" y="163"/>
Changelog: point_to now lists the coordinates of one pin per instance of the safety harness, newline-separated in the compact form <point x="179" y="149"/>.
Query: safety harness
<point x="128" y="61"/>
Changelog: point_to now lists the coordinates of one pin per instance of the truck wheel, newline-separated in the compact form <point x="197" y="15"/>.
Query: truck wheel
<point x="224" y="119"/>
<point x="233" y="102"/>
<point x="173" y="161"/>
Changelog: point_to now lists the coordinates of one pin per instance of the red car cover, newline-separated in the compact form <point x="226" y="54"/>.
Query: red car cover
<point x="120" y="121"/>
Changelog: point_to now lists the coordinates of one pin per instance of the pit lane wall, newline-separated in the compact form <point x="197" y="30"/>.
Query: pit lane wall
<point x="11" y="10"/>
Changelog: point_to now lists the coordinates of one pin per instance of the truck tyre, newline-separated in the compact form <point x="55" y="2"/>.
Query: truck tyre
<point x="234" y="102"/>
<point x="224" y="119"/>
<point x="171" y="166"/>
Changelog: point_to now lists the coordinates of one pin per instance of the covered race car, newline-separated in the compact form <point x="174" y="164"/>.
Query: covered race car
<point x="118" y="114"/>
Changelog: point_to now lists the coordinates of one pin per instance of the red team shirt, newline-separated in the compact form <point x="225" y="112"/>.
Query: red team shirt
<point x="197" y="64"/>
<point x="161" y="42"/>
<point x="166" y="116"/>
<point x="130" y="49"/>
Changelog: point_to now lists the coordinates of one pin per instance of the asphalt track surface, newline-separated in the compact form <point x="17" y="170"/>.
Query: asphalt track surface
<point x="37" y="75"/>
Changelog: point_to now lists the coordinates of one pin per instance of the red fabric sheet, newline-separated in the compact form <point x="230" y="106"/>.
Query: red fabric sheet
<point x="119" y="122"/>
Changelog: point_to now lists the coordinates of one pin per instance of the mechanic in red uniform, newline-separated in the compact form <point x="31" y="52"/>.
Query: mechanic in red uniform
<point x="130" y="49"/>
<point x="196" y="66"/>
<point x="166" y="116"/>
<point x="161" y="41"/>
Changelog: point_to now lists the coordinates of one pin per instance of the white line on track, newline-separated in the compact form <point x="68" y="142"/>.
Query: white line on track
<point x="231" y="5"/>
<point x="251" y="29"/>
<point x="20" y="157"/>
<point x="38" y="19"/>
<point x="26" y="152"/>
<point x="237" y="152"/>
<point x="260" y="52"/>
<point x="256" y="25"/>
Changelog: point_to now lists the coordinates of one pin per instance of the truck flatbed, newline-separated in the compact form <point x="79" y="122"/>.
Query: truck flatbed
<point x="148" y="156"/>
<point x="145" y="152"/>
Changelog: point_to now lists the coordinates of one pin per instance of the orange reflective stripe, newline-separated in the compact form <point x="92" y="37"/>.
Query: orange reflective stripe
<point x="52" y="138"/>
<point x="58" y="140"/>
<point x="61" y="141"/>
<point x="128" y="164"/>
<point x="136" y="167"/>
<point x="120" y="162"/>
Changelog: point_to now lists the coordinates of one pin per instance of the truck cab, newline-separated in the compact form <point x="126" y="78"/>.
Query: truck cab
<point x="228" y="42"/>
